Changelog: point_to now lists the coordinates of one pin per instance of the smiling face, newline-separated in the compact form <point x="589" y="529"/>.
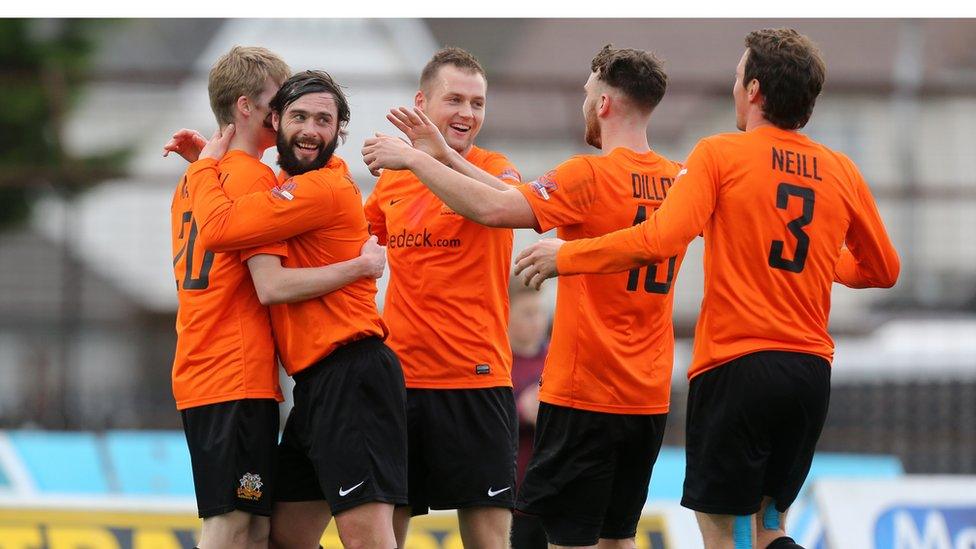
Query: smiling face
<point x="455" y="103"/>
<point x="308" y="133"/>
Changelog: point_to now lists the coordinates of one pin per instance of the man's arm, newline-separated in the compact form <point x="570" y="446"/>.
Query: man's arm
<point x="255" y="219"/>
<point x="277" y="284"/>
<point x="869" y="260"/>
<point x="467" y="196"/>
<point x="425" y="136"/>
<point x="681" y="218"/>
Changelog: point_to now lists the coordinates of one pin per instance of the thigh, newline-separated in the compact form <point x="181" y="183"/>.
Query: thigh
<point x="569" y="480"/>
<point x="232" y="452"/>
<point x="470" y="442"/>
<point x="639" y="445"/>
<point x="297" y="479"/>
<point x="727" y="442"/>
<point x="801" y="413"/>
<point x="357" y="427"/>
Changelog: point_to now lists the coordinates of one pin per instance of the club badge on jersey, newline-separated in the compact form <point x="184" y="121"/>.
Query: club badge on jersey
<point x="545" y="185"/>
<point x="284" y="191"/>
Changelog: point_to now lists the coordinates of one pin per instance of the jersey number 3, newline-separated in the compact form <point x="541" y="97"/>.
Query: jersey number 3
<point x="203" y="281"/>
<point x="651" y="285"/>
<point x="776" y="260"/>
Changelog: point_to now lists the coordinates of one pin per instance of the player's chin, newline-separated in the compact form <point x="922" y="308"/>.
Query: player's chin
<point x="460" y="142"/>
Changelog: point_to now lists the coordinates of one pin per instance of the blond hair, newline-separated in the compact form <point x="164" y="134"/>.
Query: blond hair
<point x="243" y="70"/>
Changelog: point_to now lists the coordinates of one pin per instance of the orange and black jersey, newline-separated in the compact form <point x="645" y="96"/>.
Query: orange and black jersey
<point x="776" y="209"/>
<point x="612" y="345"/>
<point x="320" y="214"/>
<point x="224" y="348"/>
<point x="447" y="300"/>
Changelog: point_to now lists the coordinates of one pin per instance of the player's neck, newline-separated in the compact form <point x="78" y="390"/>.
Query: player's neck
<point x="246" y="143"/>
<point x="756" y="120"/>
<point x="629" y="132"/>
<point x="633" y="140"/>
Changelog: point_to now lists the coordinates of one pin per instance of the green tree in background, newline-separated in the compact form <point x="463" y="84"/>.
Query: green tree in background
<point x="43" y="64"/>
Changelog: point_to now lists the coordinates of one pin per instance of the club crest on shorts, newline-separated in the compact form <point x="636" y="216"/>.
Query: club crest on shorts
<point x="250" y="487"/>
<point x="284" y="190"/>
<point x="545" y="185"/>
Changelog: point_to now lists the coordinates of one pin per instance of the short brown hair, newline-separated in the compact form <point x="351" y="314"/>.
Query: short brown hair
<point x="242" y="71"/>
<point x="790" y="71"/>
<point x="461" y="59"/>
<point x="638" y="74"/>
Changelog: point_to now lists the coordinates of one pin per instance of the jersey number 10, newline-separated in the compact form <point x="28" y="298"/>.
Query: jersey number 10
<point x="651" y="285"/>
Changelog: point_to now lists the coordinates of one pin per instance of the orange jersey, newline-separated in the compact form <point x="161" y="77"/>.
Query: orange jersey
<point x="320" y="213"/>
<point x="224" y="349"/>
<point x="612" y="345"/>
<point x="776" y="208"/>
<point x="447" y="300"/>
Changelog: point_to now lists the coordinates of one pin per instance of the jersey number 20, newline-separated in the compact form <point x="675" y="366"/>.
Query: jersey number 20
<point x="203" y="281"/>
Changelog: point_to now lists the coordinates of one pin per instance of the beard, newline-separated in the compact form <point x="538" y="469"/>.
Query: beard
<point x="592" y="136"/>
<point x="292" y="165"/>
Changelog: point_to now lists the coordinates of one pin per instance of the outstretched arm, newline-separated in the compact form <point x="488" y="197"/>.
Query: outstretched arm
<point x="297" y="206"/>
<point x="278" y="284"/>
<point x="425" y="136"/>
<point x="681" y="218"/>
<point x="469" y="197"/>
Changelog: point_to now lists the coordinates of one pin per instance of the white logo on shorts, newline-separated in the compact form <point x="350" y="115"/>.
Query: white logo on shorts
<point x="493" y="493"/>
<point x="343" y="493"/>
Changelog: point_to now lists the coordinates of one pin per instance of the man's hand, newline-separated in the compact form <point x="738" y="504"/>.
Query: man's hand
<point x="385" y="152"/>
<point x="217" y="147"/>
<point x="186" y="143"/>
<point x="421" y="132"/>
<point x="372" y="258"/>
<point x="538" y="262"/>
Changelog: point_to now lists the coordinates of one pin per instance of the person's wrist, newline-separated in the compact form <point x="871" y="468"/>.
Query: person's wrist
<point x="414" y="157"/>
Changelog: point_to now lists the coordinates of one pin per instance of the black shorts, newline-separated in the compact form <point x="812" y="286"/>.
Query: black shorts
<point x="589" y="473"/>
<point x="462" y="446"/>
<point x="345" y="440"/>
<point x="233" y="447"/>
<point x="752" y="428"/>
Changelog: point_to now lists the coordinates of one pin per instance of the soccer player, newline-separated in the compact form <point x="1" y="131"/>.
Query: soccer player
<point x="343" y="451"/>
<point x="225" y="378"/>
<point x="447" y="308"/>
<point x="606" y="383"/>
<point x="783" y="217"/>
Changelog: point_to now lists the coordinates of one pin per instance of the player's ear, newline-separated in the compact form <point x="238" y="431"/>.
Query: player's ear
<point x="753" y="91"/>
<point x="244" y="105"/>
<point x="604" y="107"/>
<point x="419" y="100"/>
<point x="275" y="120"/>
